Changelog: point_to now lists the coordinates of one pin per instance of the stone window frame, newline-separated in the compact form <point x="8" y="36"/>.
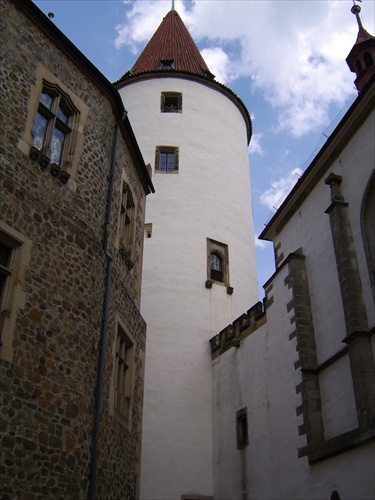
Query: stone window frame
<point x="220" y="249"/>
<point x="242" y="428"/>
<point x="77" y="110"/>
<point x="159" y="151"/>
<point x="122" y="386"/>
<point x="12" y="296"/>
<point x="171" y="102"/>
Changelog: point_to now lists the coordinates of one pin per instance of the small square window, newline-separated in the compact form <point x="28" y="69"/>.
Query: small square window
<point x="242" y="429"/>
<point x="171" y="102"/>
<point x="166" y="159"/>
<point x="167" y="64"/>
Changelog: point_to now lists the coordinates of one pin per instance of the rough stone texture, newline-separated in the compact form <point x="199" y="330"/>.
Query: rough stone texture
<point x="48" y="389"/>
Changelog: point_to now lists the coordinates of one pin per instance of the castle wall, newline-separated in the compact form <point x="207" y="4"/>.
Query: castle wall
<point x="51" y="332"/>
<point x="301" y="369"/>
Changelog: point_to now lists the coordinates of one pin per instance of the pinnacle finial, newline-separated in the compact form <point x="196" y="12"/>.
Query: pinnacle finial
<point x="356" y="9"/>
<point x="172" y="5"/>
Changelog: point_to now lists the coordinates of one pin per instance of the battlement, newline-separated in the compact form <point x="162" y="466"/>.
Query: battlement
<point x="241" y="327"/>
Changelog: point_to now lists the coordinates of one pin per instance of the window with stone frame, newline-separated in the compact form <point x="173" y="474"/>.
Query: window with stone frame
<point x="13" y="260"/>
<point x="127" y="219"/>
<point x="217" y="262"/>
<point x="171" y="102"/>
<point x="53" y="127"/>
<point x="167" y="159"/>
<point x="123" y="374"/>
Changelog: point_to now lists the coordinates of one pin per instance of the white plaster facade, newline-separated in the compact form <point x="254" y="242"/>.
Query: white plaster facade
<point x="209" y="197"/>
<point x="263" y="373"/>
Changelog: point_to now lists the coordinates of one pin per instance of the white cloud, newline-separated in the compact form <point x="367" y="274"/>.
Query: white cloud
<point x="293" y="51"/>
<point x="279" y="190"/>
<point x="218" y="62"/>
<point x="255" y="146"/>
<point x="262" y="244"/>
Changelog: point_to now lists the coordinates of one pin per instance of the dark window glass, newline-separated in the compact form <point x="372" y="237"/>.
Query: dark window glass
<point x="216" y="265"/>
<point x="166" y="161"/>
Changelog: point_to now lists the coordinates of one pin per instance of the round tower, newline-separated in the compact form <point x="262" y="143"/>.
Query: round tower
<point x="199" y="270"/>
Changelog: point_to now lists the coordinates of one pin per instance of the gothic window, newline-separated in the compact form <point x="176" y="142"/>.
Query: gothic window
<point x="53" y="125"/>
<point x="171" y="102"/>
<point x="217" y="262"/>
<point x="166" y="159"/>
<point x="123" y="374"/>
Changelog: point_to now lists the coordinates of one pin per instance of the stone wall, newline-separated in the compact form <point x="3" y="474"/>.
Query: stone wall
<point x="49" y="371"/>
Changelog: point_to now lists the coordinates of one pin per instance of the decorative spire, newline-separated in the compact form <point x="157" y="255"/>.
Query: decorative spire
<point x="172" y="5"/>
<point x="361" y="59"/>
<point x="356" y="9"/>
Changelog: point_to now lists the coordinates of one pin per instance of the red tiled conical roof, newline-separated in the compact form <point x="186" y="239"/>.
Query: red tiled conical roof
<point x="171" y="48"/>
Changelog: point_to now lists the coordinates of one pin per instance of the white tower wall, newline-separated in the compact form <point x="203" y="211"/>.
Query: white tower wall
<point x="209" y="197"/>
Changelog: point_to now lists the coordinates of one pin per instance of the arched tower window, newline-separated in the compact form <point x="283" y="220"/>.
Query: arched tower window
<point x="358" y="66"/>
<point x="368" y="59"/>
<point x="335" y="495"/>
<point x="216" y="264"/>
<point x="368" y="228"/>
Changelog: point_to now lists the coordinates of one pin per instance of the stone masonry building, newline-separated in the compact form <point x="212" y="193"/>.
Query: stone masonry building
<point x="73" y="187"/>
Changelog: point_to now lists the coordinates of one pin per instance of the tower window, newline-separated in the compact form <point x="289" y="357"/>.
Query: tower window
<point x="166" y="159"/>
<point x="171" y="102"/>
<point x="167" y="64"/>
<point x="217" y="262"/>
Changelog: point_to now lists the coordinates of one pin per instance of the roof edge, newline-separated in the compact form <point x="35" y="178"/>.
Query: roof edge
<point x="123" y="82"/>
<point x="72" y="52"/>
<point x="358" y="111"/>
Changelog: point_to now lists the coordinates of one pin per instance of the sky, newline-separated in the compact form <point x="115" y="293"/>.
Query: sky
<point x="284" y="59"/>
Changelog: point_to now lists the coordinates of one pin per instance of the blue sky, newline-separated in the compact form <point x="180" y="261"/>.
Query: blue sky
<point x="284" y="59"/>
